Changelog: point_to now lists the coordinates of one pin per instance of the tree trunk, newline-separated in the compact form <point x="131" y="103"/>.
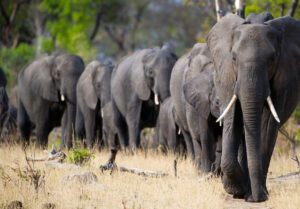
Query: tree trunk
<point x="219" y="9"/>
<point x="240" y="8"/>
<point x="292" y="9"/>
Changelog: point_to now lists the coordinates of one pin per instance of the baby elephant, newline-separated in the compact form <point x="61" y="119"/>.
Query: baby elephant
<point x="167" y="132"/>
<point x="93" y="93"/>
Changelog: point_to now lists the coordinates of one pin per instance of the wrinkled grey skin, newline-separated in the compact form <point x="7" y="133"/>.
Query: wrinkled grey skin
<point x="167" y="132"/>
<point x="196" y="106"/>
<point x="41" y="105"/>
<point x="176" y="89"/>
<point x="202" y="112"/>
<point x="93" y="93"/>
<point x="253" y="61"/>
<point x="134" y="82"/>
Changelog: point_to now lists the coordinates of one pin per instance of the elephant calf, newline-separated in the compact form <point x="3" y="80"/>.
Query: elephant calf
<point x="167" y="132"/>
<point x="93" y="93"/>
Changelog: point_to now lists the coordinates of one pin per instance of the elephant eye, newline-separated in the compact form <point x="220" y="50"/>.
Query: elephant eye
<point x="98" y="85"/>
<point x="150" y="72"/>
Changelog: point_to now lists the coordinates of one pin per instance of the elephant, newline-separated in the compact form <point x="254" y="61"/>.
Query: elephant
<point x="167" y="131"/>
<point x="202" y="112"/>
<point x="47" y="97"/>
<point x="259" y="18"/>
<point x="257" y="76"/>
<point x="139" y="82"/>
<point x="93" y="93"/>
<point x="196" y="106"/>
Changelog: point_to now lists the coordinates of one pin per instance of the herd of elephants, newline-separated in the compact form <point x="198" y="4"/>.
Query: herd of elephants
<point x="223" y="101"/>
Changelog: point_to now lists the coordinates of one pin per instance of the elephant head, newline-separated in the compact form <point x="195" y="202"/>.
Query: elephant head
<point x="95" y="82"/>
<point x="58" y="77"/>
<point x="256" y="64"/>
<point x="153" y="73"/>
<point x="201" y="94"/>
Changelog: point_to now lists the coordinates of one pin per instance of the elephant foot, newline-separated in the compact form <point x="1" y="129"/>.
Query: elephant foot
<point x="108" y="166"/>
<point x="261" y="197"/>
<point x="237" y="189"/>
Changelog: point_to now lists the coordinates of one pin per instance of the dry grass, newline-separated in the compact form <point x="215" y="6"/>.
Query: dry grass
<point x="125" y="190"/>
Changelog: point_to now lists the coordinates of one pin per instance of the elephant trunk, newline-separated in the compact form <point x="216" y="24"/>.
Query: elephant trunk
<point x="252" y="90"/>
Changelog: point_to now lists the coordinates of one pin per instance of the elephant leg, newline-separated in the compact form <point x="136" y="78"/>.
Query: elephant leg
<point x="269" y="135"/>
<point x="63" y="128"/>
<point x="218" y="153"/>
<point x="172" y="139"/>
<point x="207" y="154"/>
<point x="197" y="151"/>
<point x="79" y="124"/>
<point x="68" y="127"/>
<point x="99" y="130"/>
<point x="233" y="179"/>
<point x="189" y="144"/>
<point x="90" y="129"/>
<point x="133" y="123"/>
<point x="121" y="127"/>
<point x="42" y="132"/>
<point x="24" y="123"/>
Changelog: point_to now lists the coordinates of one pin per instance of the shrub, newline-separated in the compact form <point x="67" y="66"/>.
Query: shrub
<point x="80" y="156"/>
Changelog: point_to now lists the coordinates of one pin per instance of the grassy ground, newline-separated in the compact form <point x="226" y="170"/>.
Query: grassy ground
<point x="125" y="190"/>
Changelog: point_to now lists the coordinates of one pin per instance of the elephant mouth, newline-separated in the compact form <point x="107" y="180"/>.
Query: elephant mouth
<point x="233" y="101"/>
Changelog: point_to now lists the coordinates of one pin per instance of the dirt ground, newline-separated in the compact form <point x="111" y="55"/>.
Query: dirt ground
<point x="127" y="190"/>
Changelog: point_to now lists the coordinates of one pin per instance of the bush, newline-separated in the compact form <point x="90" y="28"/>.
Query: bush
<point x="80" y="156"/>
<point x="13" y="60"/>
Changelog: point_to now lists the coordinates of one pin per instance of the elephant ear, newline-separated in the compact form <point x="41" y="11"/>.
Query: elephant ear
<point x="41" y="79"/>
<point x="288" y="65"/>
<point x="197" y="93"/>
<point x="219" y="42"/>
<point x="138" y="76"/>
<point x="86" y="85"/>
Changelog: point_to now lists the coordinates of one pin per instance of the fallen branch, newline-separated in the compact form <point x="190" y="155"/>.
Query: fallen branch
<point x="285" y="177"/>
<point x="143" y="172"/>
<point x="54" y="155"/>
<point x="140" y="172"/>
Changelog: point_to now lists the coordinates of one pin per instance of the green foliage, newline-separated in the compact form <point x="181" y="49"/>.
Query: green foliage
<point x="71" y="25"/>
<point x="12" y="60"/>
<point x="80" y="156"/>
<point x="275" y="7"/>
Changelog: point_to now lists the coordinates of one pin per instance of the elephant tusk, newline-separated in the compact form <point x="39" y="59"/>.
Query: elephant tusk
<point x="156" y="101"/>
<point x="272" y="108"/>
<point x="179" y="131"/>
<point x="101" y="112"/>
<point x="62" y="97"/>
<point x="228" y="108"/>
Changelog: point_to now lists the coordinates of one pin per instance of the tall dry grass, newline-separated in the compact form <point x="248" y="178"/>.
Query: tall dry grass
<point x="125" y="190"/>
